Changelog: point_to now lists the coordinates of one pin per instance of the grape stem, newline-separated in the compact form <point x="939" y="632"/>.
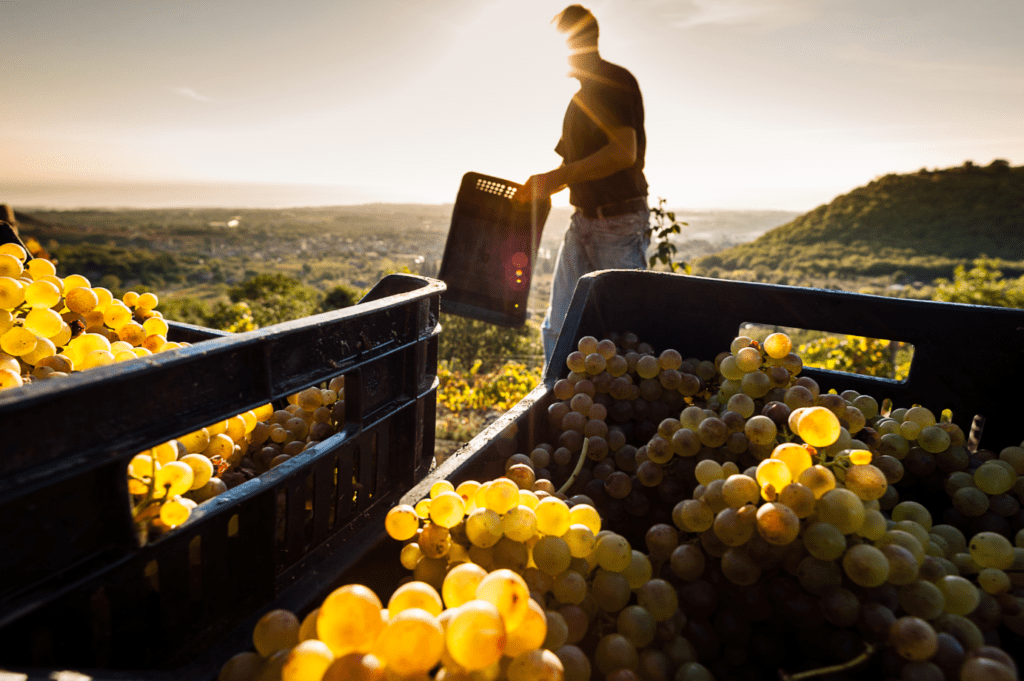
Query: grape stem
<point x="811" y="673"/>
<point x="579" y="467"/>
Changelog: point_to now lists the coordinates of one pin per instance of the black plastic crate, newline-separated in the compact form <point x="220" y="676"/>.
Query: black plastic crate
<point x="91" y="597"/>
<point x="491" y="248"/>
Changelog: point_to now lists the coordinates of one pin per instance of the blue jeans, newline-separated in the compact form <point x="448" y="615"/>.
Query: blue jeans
<point x="592" y="244"/>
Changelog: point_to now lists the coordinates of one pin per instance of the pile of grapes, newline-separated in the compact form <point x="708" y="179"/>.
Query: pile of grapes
<point x="786" y="533"/>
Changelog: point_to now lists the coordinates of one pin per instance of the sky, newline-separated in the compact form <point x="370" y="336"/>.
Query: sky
<point x="750" y="104"/>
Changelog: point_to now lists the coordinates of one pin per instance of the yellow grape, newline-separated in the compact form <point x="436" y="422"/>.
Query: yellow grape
<point x="777" y="345"/>
<point x="173" y="479"/>
<point x="401" y="522"/>
<point x="447" y="509"/>
<point x="580" y="540"/>
<point x="818" y="427"/>
<point x="12" y="293"/>
<point x="796" y="457"/>
<point x="97" y="358"/>
<point x="476" y="635"/>
<point x="613" y="552"/>
<point x="116" y="315"/>
<point x="467" y="490"/>
<point x="242" y="667"/>
<point x="174" y="512"/>
<point x="42" y="294"/>
<point x="536" y="665"/>
<point x="410" y="556"/>
<point x="519" y="524"/>
<point x="415" y="595"/>
<point x="14" y="250"/>
<point x="307" y="630"/>
<point x="423" y="508"/>
<point x="530" y="633"/>
<point x="991" y="550"/>
<point x="18" y="341"/>
<point x="44" y="348"/>
<point x="411" y="643"/>
<point x="307" y="661"/>
<point x="842" y="508"/>
<point x="10" y="379"/>
<point x="43" y="321"/>
<point x="483" y="527"/>
<point x="501" y="496"/>
<point x="774" y="472"/>
<point x="440" y="487"/>
<point x="553" y="517"/>
<point x="585" y="514"/>
<point x="202" y="469"/>
<point x="818" y="479"/>
<point x="508" y="592"/>
<point x="639" y="571"/>
<point x="40" y="267"/>
<point x="276" y="630"/>
<point x="147" y="301"/>
<point x="777" y="524"/>
<point x="356" y="667"/>
<point x="350" y="620"/>
<point x="460" y="584"/>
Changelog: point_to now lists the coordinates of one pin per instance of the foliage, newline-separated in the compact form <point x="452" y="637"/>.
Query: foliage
<point x="460" y="390"/>
<point x="857" y="355"/>
<point x="983" y="284"/>
<point x="662" y="227"/>
<point x="236" y="317"/>
<point x="466" y="341"/>
<point x="233" y="317"/>
<point x="341" y="296"/>
<point x="921" y="224"/>
<point x="121" y="263"/>
<point x="276" y="298"/>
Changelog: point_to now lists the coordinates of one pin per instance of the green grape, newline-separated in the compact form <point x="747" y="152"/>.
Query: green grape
<point x="933" y="439"/>
<point x="551" y="554"/>
<point x="903" y="567"/>
<point x="738" y="567"/>
<point x="536" y="665"/>
<point x="558" y="630"/>
<point x="519" y="523"/>
<point x="910" y="430"/>
<point x="575" y="663"/>
<point x="970" y="501"/>
<point x="687" y="562"/>
<point x="761" y="430"/>
<point x="994" y="581"/>
<point x="707" y="471"/>
<point x="659" y="598"/>
<point x="483" y="527"/>
<point x="276" y="630"/>
<point x="911" y="510"/>
<point x="748" y="359"/>
<point x="742" y="404"/>
<point x="636" y="624"/>
<point x="610" y="590"/>
<point x="401" y="522"/>
<point x="507" y="591"/>
<point x="867" y="405"/>
<point x="692" y="515"/>
<point x="410" y="555"/>
<point x="613" y="552"/>
<point x="912" y="528"/>
<point x="569" y="587"/>
<point x="866" y="481"/>
<point x="756" y="384"/>
<point x="961" y="596"/>
<point x="307" y="661"/>
<point x="991" y="550"/>
<point x="922" y="416"/>
<point x="580" y="540"/>
<point x="922" y="599"/>
<point x="732" y="528"/>
<point x="824" y="541"/>
<point x="992" y="478"/>
<point x="842" y="508"/>
<point x="818" y="576"/>
<point x="615" y="651"/>
<point x="730" y="370"/>
<point x="242" y="667"/>
<point x="639" y="570"/>
<point x="799" y="498"/>
<point x="739" y="490"/>
<point x="553" y="516"/>
<point x="865" y="565"/>
<point x="913" y="638"/>
<point x="818" y="479"/>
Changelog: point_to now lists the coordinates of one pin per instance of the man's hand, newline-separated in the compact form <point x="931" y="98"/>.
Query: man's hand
<point x="536" y="188"/>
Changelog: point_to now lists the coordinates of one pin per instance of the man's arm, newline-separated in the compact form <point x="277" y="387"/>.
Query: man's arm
<point x="619" y="153"/>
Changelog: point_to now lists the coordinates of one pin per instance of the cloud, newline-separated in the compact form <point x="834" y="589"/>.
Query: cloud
<point x="189" y="93"/>
<point x="757" y="14"/>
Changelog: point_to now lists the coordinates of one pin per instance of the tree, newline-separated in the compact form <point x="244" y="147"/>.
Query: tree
<point x="276" y="298"/>
<point x="663" y="226"/>
<point x="341" y="296"/>
<point x="983" y="284"/>
<point x="467" y="340"/>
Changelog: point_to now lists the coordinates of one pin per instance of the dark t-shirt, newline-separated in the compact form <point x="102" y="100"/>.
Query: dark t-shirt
<point x="610" y="98"/>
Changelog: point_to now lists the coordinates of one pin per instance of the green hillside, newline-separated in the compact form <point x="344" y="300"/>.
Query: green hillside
<point x="918" y="225"/>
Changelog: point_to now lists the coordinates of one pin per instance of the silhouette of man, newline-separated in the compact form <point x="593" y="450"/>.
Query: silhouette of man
<point x="602" y="149"/>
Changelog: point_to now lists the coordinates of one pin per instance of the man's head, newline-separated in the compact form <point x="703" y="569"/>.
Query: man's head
<point x="581" y="33"/>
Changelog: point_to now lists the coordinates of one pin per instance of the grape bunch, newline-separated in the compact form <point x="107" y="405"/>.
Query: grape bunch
<point x="50" y="327"/>
<point x="774" y="508"/>
<point x="168" y="481"/>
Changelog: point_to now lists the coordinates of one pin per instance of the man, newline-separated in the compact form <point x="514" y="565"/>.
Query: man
<point x="602" y="147"/>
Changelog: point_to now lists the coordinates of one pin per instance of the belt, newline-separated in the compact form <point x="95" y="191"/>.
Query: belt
<point x="613" y="209"/>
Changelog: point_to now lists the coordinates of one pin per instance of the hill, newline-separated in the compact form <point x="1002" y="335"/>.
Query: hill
<point x="919" y="225"/>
